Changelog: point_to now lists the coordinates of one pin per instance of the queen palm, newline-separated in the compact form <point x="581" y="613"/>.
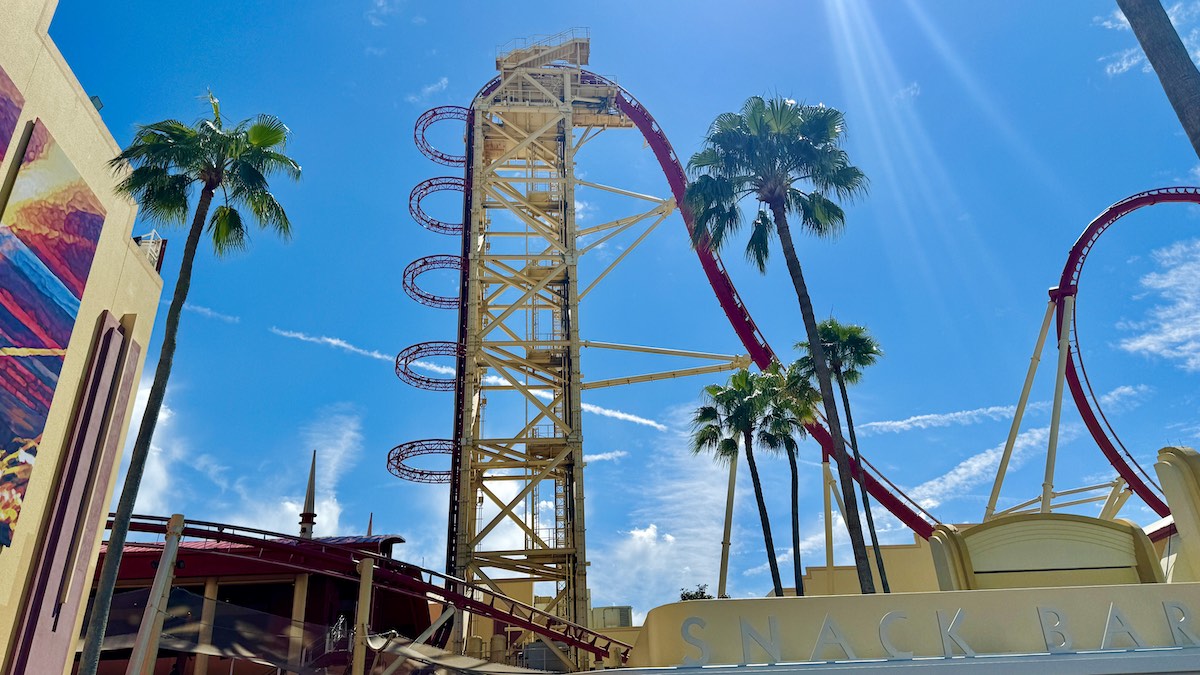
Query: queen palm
<point x="790" y="402"/>
<point x="787" y="157"/>
<point x="850" y="349"/>
<point x="729" y="419"/>
<point x="164" y="165"/>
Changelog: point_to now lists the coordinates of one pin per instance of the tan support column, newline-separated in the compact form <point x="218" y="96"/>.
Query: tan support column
<point x="145" y="647"/>
<point x="299" y="606"/>
<point x="1064" y="348"/>
<point x="362" y="615"/>
<point x="207" y="614"/>
<point x="827" y="481"/>
<point x="990" y="511"/>
<point x="728" y="528"/>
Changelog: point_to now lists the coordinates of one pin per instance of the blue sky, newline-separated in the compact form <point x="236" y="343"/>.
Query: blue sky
<point x="992" y="133"/>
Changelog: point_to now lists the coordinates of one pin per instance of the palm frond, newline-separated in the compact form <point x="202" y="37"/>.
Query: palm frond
<point x="227" y="230"/>
<point x="161" y="195"/>
<point x="758" y="246"/>
<point x="267" y="131"/>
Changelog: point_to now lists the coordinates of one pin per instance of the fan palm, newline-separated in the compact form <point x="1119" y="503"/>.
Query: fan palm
<point x="850" y="349"/>
<point x="787" y="157"/>
<point x="790" y="402"/>
<point x="729" y="419"/>
<point x="163" y="165"/>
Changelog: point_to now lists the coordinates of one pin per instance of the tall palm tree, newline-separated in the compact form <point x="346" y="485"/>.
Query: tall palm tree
<point x="163" y="166"/>
<point x="790" y="401"/>
<point x="850" y="349"/>
<point x="729" y="418"/>
<point x="787" y="157"/>
<point x="1170" y="59"/>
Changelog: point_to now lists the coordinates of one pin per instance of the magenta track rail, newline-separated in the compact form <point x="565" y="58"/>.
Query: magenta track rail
<point x="423" y="350"/>
<point x="422" y="265"/>
<point x="426" y="120"/>
<point x="423" y="190"/>
<point x="400" y="455"/>
<point x="316" y="556"/>
<point x="1081" y="390"/>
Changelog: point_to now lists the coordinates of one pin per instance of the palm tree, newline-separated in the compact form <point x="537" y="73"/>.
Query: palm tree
<point x="165" y="162"/>
<point x="788" y="157"/>
<point x="729" y="418"/>
<point x="850" y="349"/>
<point x="790" y="402"/>
<point x="1170" y="60"/>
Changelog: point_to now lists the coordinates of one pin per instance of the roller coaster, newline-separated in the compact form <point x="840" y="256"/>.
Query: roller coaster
<point x="522" y="131"/>
<point x="504" y="151"/>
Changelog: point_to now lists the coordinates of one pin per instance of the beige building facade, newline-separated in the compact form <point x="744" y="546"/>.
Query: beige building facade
<point x="77" y="303"/>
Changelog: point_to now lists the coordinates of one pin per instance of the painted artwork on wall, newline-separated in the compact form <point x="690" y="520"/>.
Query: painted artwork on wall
<point x="48" y="236"/>
<point x="11" y="103"/>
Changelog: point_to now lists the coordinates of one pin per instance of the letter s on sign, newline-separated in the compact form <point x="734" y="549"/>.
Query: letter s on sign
<point x="702" y="645"/>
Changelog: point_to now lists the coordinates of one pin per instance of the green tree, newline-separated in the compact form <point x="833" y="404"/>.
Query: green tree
<point x="729" y="419"/>
<point x="1170" y="59"/>
<point x="790" y="402"/>
<point x="163" y="167"/>
<point x="788" y="157"/>
<point x="850" y="349"/>
<point x="700" y="593"/>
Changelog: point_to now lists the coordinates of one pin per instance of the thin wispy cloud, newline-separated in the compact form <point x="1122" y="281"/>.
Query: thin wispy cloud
<point x="1114" y="21"/>
<point x="1125" y="397"/>
<point x="981" y="468"/>
<point x="210" y="313"/>
<point x="930" y="421"/>
<point x="1171" y="329"/>
<point x="908" y="93"/>
<point x="610" y="456"/>
<point x="336" y="343"/>
<point x="623" y="416"/>
<point x="428" y="90"/>
<point x="379" y="10"/>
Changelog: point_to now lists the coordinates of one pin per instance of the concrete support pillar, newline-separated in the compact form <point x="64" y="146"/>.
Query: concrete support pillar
<point x="299" y="607"/>
<point x="145" y="648"/>
<point x="207" y="614"/>
<point x="362" y="615"/>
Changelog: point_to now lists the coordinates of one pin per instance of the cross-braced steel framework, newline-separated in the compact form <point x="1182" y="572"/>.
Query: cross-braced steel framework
<point x="517" y="492"/>
<point x="522" y="327"/>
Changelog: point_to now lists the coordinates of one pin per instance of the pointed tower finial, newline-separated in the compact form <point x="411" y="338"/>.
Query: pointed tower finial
<point x="370" y="522"/>
<point x="308" y="517"/>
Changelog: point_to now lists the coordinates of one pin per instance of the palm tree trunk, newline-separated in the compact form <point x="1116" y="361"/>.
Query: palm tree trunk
<point x="797" y="568"/>
<point x="865" y="580"/>
<point x="90" y="660"/>
<point x="862" y="486"/>
<point x="776" y="582"/>
<point x="1170" y="60"/>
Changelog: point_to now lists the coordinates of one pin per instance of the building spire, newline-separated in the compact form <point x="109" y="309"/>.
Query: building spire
<point x="370" y="522"/>
<point x="308" y="516"/>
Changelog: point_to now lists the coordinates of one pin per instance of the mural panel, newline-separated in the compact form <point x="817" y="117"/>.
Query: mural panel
<point x="48" y="235"/>
<point x="11" y="103"/>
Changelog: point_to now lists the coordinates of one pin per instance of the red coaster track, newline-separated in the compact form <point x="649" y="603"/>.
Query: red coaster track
<point x="1081" y="390"/>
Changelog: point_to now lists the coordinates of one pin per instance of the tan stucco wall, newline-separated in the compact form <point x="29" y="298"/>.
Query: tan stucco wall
<point x="121" y="280"/>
